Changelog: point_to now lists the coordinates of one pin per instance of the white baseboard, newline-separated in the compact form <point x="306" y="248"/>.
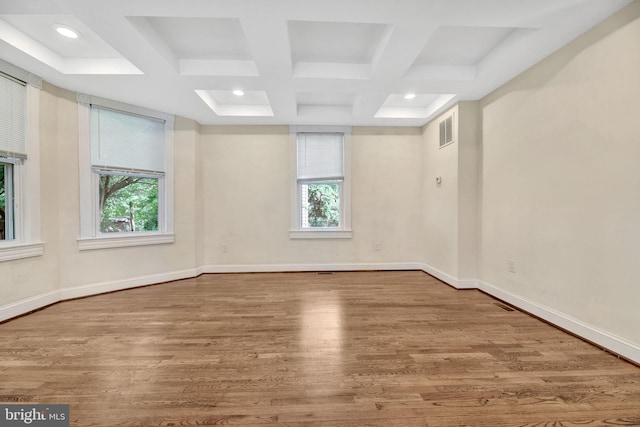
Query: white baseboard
<point x="270" y="268"/>
<point x="439" y="274"/>
<point x="449" y="279"/>
<point x="597" y="336"/>
<point x="117" y="285"/>
<point x="467" y="284"/>
<point x="18" y="308"/>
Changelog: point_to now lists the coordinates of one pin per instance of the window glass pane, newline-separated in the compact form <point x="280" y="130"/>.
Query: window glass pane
<point x="320" y="204"/>
<point x="6" y="202"/>
<point x="128" y="203"/>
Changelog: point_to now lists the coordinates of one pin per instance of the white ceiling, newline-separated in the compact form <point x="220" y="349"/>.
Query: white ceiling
<point x="299" y="62"/>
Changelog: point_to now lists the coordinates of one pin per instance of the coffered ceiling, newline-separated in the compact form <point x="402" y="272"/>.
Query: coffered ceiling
<point x="297" y="62"/>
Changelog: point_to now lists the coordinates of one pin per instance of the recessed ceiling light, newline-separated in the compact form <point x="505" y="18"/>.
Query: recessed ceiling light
<point x="67" y="31"/>
<point x="238" y="92"/>
<point x="410" y="96"/>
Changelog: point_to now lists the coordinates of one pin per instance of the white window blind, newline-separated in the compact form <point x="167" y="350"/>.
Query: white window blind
<point x="320" y="155"/>
<point x="13" y="117"/>
<point x="126" y="141"/>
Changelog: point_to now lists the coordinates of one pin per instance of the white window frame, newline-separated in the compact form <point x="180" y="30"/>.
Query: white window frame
<point x="296" y="230"/>
<point x="90" y="236"/>
<point x="27" y="241"/>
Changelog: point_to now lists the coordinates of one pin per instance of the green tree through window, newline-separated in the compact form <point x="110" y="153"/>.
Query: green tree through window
<point x="7" y="224"/>
<point x="323" y="205"/>
<point x="3" y="203"/>
<point x="128" y="203"/>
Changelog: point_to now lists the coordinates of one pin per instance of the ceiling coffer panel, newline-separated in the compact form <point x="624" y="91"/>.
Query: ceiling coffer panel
<point x="203" y="38"/>
<point x="461" y="45"/>
<point x="334" y="42"/>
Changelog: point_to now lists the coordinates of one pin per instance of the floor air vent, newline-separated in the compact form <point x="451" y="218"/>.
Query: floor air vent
<point x="325" y="272"/>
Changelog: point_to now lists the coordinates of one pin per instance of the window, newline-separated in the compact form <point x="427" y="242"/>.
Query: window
<point x="321" y="201"/>
<point x="13" y="101"/>
<point x="127" y="155"/>
<point x="320" y="177"/>
<point x="7" y="201"/>
<point x="19" y="164"/>
<point x="128" y="170"/>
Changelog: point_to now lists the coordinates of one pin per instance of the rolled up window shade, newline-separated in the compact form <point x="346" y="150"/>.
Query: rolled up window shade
<point x="126" y="141"/>
<point x="13" y="117"/>
<point x="320" y="155"/>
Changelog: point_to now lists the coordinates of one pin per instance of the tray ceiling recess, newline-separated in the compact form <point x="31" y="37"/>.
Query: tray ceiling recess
<point x="323" y="62"/>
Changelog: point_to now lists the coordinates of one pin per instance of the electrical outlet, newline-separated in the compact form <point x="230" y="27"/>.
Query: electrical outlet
<point x="377" y="246"/>
<point x="511" y="265"/>
<point x="225" y="248"/>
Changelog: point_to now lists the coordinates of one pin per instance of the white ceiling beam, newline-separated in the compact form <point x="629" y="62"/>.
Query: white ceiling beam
<point x="268" y="41"/>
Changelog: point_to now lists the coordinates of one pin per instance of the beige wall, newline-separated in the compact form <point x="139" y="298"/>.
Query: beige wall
<point x="247" y="192"/>
<point x="469" y="150"/>
<point x="440" y="201"/>
<point x="63" y="266"/>
<point x="198" y="214"/>
<point x="450" y="209"/>
<point x="25" y="278"/>
<point x="386" y="194"/>
<point x="561" y="181"/>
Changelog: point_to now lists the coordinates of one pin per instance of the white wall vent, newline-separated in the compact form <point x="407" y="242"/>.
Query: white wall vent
<point x="447" y="126"/>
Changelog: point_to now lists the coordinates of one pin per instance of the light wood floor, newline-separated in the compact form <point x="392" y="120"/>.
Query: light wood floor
<point x="307" y="349"/>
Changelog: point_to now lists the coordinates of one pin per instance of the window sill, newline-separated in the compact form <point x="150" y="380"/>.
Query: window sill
<point x="320" y="234"/>
<point x="13" y="251"/>
<point x="108" y="242"/>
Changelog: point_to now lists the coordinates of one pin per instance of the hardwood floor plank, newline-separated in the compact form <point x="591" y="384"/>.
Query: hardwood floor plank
<point x="301" y="349"/>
